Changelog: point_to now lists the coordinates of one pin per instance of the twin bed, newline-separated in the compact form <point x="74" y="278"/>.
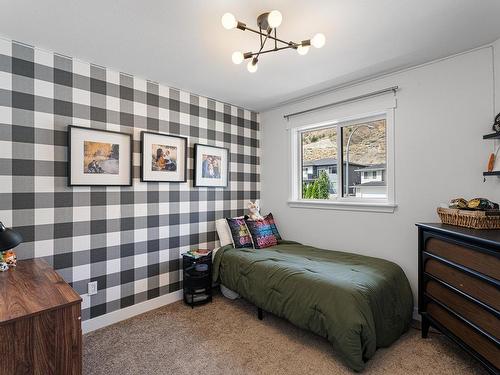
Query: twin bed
<point x="358" y="303"/>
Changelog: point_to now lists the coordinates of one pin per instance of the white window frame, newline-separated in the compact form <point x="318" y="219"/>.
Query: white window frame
<point x="387" y="204"/>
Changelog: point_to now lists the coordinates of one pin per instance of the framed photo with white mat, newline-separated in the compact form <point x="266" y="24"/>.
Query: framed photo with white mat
<point x="163" y="158"/>
<point x="211" y="166"/>
<point x="99" y="157"/>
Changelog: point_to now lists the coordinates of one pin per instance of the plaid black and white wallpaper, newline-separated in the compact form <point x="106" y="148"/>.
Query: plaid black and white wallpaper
<point x="128" y="239"/>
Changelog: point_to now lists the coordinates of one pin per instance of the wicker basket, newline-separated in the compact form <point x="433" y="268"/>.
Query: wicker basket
<point x="468" y="219"/>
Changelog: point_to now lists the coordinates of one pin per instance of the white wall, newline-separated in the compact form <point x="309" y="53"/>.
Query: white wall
<point x="496" y="52"/>
<point x="443" y="110"/>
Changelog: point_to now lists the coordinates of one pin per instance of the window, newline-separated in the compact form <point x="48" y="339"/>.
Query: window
<point x="364" y="149"/>
<point x="361" y="146"/>
<point x="363" y="154"/>
<point x="319" y="149"/>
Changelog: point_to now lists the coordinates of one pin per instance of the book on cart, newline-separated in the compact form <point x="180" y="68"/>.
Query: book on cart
<point x="198" y="253"/>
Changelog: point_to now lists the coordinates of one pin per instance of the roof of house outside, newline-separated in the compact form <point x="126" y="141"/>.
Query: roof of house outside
<point x="374" y="167"/>
<point x="325" y="162"/>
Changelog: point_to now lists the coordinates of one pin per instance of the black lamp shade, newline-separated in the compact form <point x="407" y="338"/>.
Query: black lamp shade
<point x="8" y="238"/>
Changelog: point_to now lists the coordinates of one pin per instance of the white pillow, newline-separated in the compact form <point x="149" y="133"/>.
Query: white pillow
<point x="223" y="232"/>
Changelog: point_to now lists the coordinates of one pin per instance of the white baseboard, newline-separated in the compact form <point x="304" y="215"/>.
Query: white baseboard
<point x="128" y="312"/>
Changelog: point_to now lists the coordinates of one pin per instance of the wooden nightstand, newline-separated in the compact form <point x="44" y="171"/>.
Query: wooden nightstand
<point x="197" y="280"/>
<point x="40" y="323"/>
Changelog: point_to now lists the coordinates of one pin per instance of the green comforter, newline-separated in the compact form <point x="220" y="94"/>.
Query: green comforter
<point x="358" y="303"/>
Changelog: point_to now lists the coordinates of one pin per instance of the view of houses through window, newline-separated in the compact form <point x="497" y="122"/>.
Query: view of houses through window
<point x="363" y="158"/>
<point x="319" y="164"/>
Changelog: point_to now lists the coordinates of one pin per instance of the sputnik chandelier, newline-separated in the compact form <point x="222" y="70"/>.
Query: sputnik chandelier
<point x="268" y="23"/>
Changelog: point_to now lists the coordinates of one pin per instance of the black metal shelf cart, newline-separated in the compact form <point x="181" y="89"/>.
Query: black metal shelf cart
<point x="197" y="281"/>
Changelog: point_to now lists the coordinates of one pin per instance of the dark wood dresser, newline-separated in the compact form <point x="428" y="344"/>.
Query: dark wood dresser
<point x="40" y="325"/>
<point x="459" y="288"/>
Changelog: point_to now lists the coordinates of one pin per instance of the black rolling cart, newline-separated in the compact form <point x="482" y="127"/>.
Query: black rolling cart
<point x="197" y="282"/>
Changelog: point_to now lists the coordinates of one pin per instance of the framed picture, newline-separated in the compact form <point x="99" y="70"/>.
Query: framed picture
<point x="211" y="166"/>
<point x="164" y="157"/>
<point x="99" y="157"/>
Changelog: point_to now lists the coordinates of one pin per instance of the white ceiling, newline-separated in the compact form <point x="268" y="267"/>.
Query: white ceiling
<point x="183" y="44"/>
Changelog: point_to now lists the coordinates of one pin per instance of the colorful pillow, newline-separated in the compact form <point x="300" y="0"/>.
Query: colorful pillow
<point x="240" y="234"/>
<point x="270" y="219"/>
<point x="262" y="233"/>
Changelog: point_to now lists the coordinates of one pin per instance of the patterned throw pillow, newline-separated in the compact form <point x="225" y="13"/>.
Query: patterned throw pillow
<point x="262" y="234"/>
<point x="270" y="219"/>
<point x="239" y="231"/>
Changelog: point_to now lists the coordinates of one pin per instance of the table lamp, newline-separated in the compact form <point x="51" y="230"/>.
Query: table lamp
<point x="8" y="238"/>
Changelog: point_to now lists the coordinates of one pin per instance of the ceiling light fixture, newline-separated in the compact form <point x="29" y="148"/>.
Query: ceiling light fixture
<point x="252" y="65"/>
<point x="268" y="22"/>
<point x="237" y="57"/>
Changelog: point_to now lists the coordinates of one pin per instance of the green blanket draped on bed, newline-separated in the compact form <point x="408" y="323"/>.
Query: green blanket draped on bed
<point x="358" y="303"/>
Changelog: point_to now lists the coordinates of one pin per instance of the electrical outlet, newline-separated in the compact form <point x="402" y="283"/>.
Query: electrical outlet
<point x="92" y="288"/>
<point x="85" y="301"/>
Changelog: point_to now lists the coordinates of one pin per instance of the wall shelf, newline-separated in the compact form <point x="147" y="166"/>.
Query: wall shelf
<point x="493" y="173"/>
<point x="492" y="136"/>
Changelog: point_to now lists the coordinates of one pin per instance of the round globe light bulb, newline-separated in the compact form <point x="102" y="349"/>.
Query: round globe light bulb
<point x="252" y="68"/>
<point x="237" y="57"/>
<point x="318" y="40"/>
<point x="229" y="21"/>
<point x="274" y="18"/>
<point x="302" y="50"/>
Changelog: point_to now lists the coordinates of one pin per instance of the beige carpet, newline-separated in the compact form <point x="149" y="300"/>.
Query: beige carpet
<point x="225" y="337"/>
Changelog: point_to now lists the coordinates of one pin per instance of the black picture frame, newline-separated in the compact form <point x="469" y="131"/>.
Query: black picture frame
<point x="186" y="145"/>
<point x="69" y="140"/>
<point x="197" y="174"/>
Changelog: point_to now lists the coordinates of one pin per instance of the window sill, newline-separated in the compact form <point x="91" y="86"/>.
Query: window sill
<point x="344" y="206"/>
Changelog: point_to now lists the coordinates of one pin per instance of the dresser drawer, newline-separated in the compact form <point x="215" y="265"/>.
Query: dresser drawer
<point x="469" y="310"/>
<point x="469" y="336"/>
<point x="472" y="286"/>
<point x="481" y="262"/>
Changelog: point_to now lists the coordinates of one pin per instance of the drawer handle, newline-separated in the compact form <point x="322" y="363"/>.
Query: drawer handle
<point x="79" y="318"/>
